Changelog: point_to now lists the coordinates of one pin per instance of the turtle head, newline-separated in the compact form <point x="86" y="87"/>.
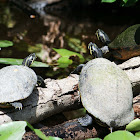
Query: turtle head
<point x="94" y="50"/>
<point x="29" y="60"/>
<point x="102" y="36"/>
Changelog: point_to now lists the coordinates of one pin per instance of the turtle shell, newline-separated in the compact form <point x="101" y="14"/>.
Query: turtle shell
<point x="106" y="92"/>
<point x="17" y="83"/>
<point x="127" y="44"/>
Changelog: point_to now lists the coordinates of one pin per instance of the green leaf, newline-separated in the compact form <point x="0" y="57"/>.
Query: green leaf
<point x="13" y="61"/>
<point x="30" y="126"/>
<point x="64" y="60"/>
<point x="71" y="45"/>
<point x="40" y="134"/>
<point x="75" y="40"/>
<point x="34" y="49"/>
<point x="54" y="138"/>
<point x="37" y="132"/>
<point x="121" y="135"/>
<point x="13" y="130"/>
<point x="137" y="134"/>
<point x="108" y="1"/>
<point x="125" y="1"/>
<point x="75" y="44"/>
<point x="67" y="53"/>
<point x="134" y="125"/>
<point x="5" y="43"/>
<point x="128" y="3"/>
<point x="39" y="64"/>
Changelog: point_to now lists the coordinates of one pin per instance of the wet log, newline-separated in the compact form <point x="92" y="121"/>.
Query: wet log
<point x="132" y="69"/>
<point x="73" y="130"/>
<point x="61" y="95"/>
<point x="70" y="130"/>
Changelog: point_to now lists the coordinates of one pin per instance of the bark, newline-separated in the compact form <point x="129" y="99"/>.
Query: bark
<point x="71" y="130"/>
<point x="61" y="95"/>
<point x="132" y="69"/>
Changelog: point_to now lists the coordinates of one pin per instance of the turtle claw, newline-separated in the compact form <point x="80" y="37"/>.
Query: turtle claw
<point x="111" y="129"/>
<point x="17" y="105"/>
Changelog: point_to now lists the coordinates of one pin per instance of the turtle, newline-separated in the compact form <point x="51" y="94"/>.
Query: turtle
<point x="17" y="83"/>
<point x="125" y="46"/>
<point x="106" y="93"/>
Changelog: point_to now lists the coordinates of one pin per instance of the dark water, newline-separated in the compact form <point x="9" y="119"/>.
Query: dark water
<point x="26" y="32"/>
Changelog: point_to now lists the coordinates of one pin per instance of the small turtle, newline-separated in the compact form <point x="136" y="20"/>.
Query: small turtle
<point x="106" y="93"/>
<point x="125" y="45"/>
<point x="18" y="82"/>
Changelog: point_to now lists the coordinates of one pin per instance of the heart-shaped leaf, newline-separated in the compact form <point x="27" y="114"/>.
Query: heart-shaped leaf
<point x="64" y="60"/>
<point x="13" y="130"/>
<point x="121" y="135"/>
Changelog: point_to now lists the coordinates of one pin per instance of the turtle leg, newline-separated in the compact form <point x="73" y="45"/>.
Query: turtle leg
<point x="40" y="81"/>
<point x="104" y="49"/>
<point x="111" y="129"/>
<point x="17" y="105"/>
<point x="78" y="69"/>
<point x="86" y="120"/>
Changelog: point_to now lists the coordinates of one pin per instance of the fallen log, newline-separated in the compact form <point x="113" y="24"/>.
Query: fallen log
<point x="61" y="95"/>
<point x="132" y="69"/>
<point x="73" y="130"/>
<point x="70" y="130"/>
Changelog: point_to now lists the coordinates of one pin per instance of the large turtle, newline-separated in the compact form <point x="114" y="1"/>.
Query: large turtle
<point x="106" y="93"/>
<point x="125" y="45"/>
<point x="18" y="82"/>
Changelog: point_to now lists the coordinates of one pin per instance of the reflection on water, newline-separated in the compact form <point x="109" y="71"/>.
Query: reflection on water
<point x="40" y="35"/>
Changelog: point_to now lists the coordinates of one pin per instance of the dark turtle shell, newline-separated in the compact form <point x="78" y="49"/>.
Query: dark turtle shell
<point x="127" y="44"/>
